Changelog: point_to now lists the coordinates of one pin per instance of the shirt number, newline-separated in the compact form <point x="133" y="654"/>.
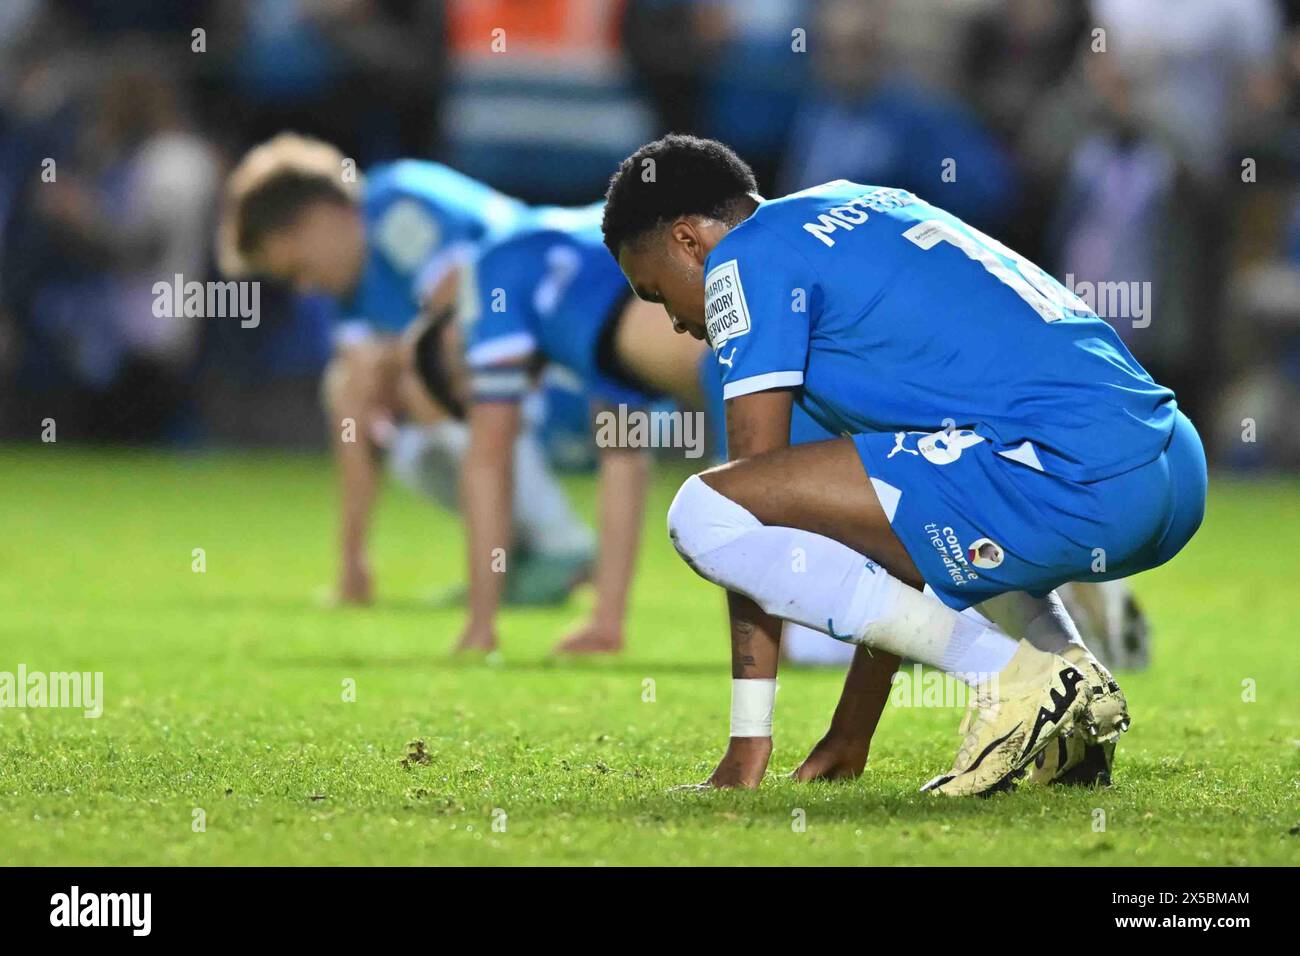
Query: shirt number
<point x="1051" y="300"/>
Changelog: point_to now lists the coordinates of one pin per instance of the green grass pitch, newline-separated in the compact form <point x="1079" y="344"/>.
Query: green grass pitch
<point x="224" y="693"/>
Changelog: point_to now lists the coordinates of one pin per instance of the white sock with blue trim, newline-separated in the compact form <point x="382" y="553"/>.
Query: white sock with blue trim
<point x="817" y="582"/>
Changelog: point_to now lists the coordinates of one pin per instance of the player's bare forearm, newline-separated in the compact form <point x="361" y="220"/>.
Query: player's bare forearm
<point x="759" y="422"/>
<point x="842" y="752"/>
<point x="486" y="503"/>
<point x="755" y="639"/>
<point x="866" y="690"/>
<point x="755" y="654"/>
<point x="358" y="473"/>
<point x="755" y="424"/>
<point x="350" y="394"/>
<point x="624" y="478"/>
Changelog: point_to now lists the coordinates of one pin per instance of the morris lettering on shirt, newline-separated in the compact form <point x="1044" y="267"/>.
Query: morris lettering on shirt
<point x="853" y="213"/>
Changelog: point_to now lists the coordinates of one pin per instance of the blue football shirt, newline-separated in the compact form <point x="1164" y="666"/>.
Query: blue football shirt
<point x="544" y="294"/>
<point x="888" y="314"/>
<point x="422" y="220"/>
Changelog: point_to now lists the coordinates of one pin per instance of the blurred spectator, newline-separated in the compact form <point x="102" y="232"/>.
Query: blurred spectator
<point x="1016" y="54"/>
<point x="111" y="18"/>
<point x="754" y="74"/>
<point x="540" y="103"/>
<point x="863" y="121"/>
<point x="1275" y="136"/>
<point x="669" y="43"/>
<point x="930" y="37"/>
<point x="1126" y="219"/>
<point x="1252" y="426"/>
<point x="1196" y="69"/>
<point x="365" y="74"/>
<point x="18" y="19"/>
<point x="1016" y="51"/>
<point x="127" y="206"/>
<point x="1142" y="206"/>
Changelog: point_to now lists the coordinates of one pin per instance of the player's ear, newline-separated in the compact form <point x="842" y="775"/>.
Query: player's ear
<point x="687" y="238"/>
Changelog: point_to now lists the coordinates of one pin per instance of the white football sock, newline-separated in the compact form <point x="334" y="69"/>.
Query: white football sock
<point x="819" y="583"/>
<point x="426" y="459"/>
<point x="1043" y="622"/>
<point x="544" y="519"/>
<point x="804" y="645"/>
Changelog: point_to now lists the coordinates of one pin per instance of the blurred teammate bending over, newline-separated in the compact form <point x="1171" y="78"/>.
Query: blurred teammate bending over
<point x="998" y="441"/>
<point x="389" y="247"/>
<point x="550" y="294"/>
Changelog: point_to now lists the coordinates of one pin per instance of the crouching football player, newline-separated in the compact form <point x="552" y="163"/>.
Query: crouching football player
<point x="389" y="246"/>
<point x="998" y="441"/>
<point x="551" y="294"/>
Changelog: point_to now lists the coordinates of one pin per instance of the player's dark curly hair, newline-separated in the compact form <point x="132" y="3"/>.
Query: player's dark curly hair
<point x="688" y="176"/>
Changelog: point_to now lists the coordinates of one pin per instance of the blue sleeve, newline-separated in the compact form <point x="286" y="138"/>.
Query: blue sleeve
<point x="760" y="296"/>
<point x="500" y="322"/>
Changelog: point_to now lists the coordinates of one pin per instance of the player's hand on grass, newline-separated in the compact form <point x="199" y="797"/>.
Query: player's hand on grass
<point x="477" y="638"/>
<point x="743" y="765"/>
<point x="592" y="638"/>
<point x="355" y="583"/>
<point x="833" y="759"/>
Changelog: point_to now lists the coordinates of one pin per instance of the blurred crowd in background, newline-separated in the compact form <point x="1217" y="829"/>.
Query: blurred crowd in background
<point x="1154" y="143"/>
